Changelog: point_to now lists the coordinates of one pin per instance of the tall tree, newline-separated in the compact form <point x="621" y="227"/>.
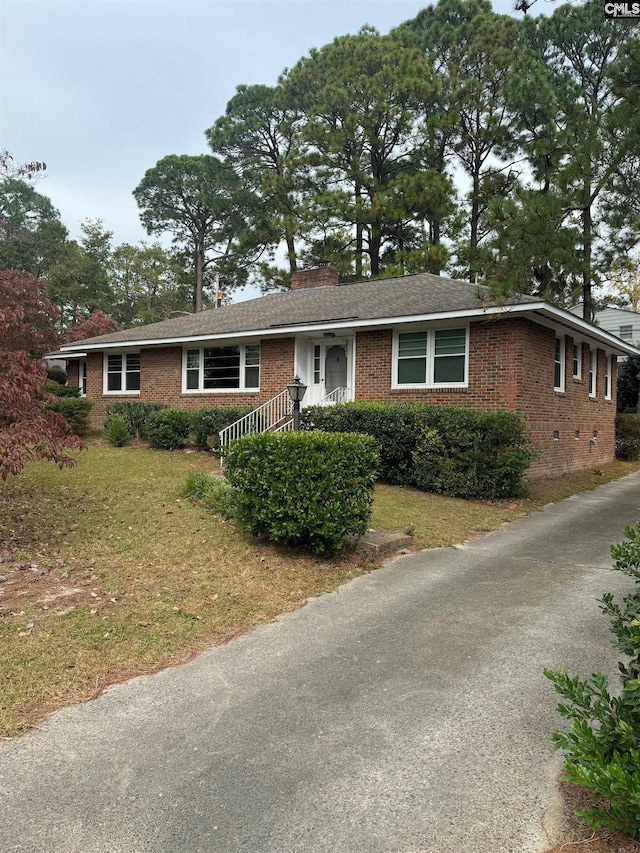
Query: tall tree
<point x="472" y="51"/>
<point x="591" y="139"/>
<point x="198" y="199"/>
<point x="259" y="136"/>
<point x="32" y="237"/>
<point x="27" y="430"/>
<point x="144" y="280"/>
<point x="363" y="97"/>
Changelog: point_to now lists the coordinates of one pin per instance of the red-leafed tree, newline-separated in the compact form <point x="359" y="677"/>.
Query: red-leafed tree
<point x="27" y="430"/>
<point x="89" y="327"/>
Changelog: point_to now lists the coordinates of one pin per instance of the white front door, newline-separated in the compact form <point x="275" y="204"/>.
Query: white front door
<point x="330" y="368"/>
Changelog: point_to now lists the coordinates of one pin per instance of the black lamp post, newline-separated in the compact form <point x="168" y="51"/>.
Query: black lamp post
<point x="296" y="391"/>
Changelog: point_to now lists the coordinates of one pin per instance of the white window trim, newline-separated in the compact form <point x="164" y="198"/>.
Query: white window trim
<point x="241" y="387"/>
<point x="559" y="388"/>
<point x="430" y="357"/>
<point x="607" y="395"/>
<point x="105" y="376"/>
<point x="593" y="373"/>
<point x="578" y="347"/>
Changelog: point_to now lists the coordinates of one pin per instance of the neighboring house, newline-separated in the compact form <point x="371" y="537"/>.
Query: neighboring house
<point x="419" y="337"/>
<point x="622" y="322"/>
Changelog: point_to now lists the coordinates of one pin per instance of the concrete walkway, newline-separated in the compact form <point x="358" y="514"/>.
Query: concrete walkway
<point x="405" y="712"/>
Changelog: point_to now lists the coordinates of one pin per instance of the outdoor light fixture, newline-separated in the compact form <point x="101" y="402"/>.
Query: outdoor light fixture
<point x="296" y="390"/>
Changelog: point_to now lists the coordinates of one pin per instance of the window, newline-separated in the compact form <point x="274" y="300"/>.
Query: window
<point x="82" y="377"/>
<point x="222" y="368"/>
<point x="558" y="373"/>
<point x="577" y="361"/>
<point x="449" y="356"/>
<point x="122" y="373"/>
<point x="626" y="333"/>
<point x="412" y="358"/>
<point x="593" y="371"/>
<point x="607" y="380"/>
<point x="431" y="358"/>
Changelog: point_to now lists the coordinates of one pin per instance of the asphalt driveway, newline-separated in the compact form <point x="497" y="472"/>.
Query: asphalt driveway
<point x="405" y="712"/>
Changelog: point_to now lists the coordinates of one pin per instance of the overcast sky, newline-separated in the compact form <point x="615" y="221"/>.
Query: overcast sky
<point x="102" y="89"/>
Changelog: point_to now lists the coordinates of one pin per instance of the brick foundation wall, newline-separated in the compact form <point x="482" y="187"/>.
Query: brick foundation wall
<point x="511" y="366"/>
<point x="161" y="381"/>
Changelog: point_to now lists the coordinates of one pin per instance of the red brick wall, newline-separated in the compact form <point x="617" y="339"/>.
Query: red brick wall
<point x="511" y="366"/>
<point x="161" y="380"/>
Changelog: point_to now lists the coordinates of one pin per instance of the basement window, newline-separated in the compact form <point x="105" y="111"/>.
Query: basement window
<point x="223" y="368"/>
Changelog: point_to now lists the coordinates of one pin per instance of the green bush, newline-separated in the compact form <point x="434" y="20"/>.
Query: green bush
<point x="312" y="490"/>
<point x="446" y="449"/>
<point x="51" y="387"/>
<point x="628" y="437"/>
<point x="602" y="745"/>
<point x="167" y="429"/>
<point x="75" y="410"/>
<point x="214" y="493"/>
<point x="207" y="423"/>
<point x="117" y="430"/>
<point x="136" y="415"/>
<point x="396" y="428"/>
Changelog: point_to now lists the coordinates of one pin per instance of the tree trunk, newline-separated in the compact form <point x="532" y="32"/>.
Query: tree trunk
<point x="587" y="240"/>
<point x="359" y="233"/>
<point x="473" y="239"/>
<point x="375" y="241"/>
<point x="291" y="251"/>
<point x="199" y="276"/>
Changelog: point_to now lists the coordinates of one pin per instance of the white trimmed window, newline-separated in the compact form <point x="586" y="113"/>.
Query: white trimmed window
<point x="593" y="371"/>
<point x="433" y="358"/>
<point x="607" y="380"/>
<point x="122" y="373"/>
<point x="82" y="376"/>
<point x="577" y="361"/>
<point x="558" y="372"/>
<point x="235" y="367"/>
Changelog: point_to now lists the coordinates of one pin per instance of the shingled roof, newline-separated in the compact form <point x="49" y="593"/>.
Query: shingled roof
<point x="404" y="296"/>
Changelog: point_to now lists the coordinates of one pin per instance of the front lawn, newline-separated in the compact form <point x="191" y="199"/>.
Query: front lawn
<point x="107" y="573"/>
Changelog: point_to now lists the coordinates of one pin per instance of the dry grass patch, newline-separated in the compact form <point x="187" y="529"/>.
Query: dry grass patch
<point x="108" y="573"/>
<point x="440" y="521"/>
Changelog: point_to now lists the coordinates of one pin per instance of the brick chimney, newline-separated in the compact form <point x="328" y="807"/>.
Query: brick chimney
<point x="318" y="277"/>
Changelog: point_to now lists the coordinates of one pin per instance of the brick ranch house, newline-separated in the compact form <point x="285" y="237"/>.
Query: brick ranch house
<point x="419" y="337"/>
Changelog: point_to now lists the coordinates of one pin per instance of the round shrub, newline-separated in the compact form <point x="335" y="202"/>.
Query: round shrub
<point x="207" y="423"/>
<point x="168" y="429"/>
<point x="313" y="490"/>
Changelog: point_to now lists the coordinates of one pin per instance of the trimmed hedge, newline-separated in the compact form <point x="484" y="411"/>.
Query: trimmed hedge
<point x="51" y="387"/>
<point x="136" y="414"/>
<point x="207" y="423"/>
<point x="168" y="429"/>
<point x="628" y="437"/>
<point x="75" y="410"/>
<point x="445" y="449"/>
<point x="312" y="490"/>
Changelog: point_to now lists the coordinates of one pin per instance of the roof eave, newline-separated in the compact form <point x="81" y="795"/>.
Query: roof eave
<point x="555" y="315"/>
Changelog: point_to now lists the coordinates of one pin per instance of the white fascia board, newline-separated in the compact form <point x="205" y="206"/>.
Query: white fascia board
<point x="61" y="355"/>
<point x="588" y="330"/>
<point x="558" y="314"/>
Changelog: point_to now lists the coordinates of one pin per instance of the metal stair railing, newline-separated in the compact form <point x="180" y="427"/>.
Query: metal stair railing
<point x="338" y="395"/>
<point x="274" y="415"/>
